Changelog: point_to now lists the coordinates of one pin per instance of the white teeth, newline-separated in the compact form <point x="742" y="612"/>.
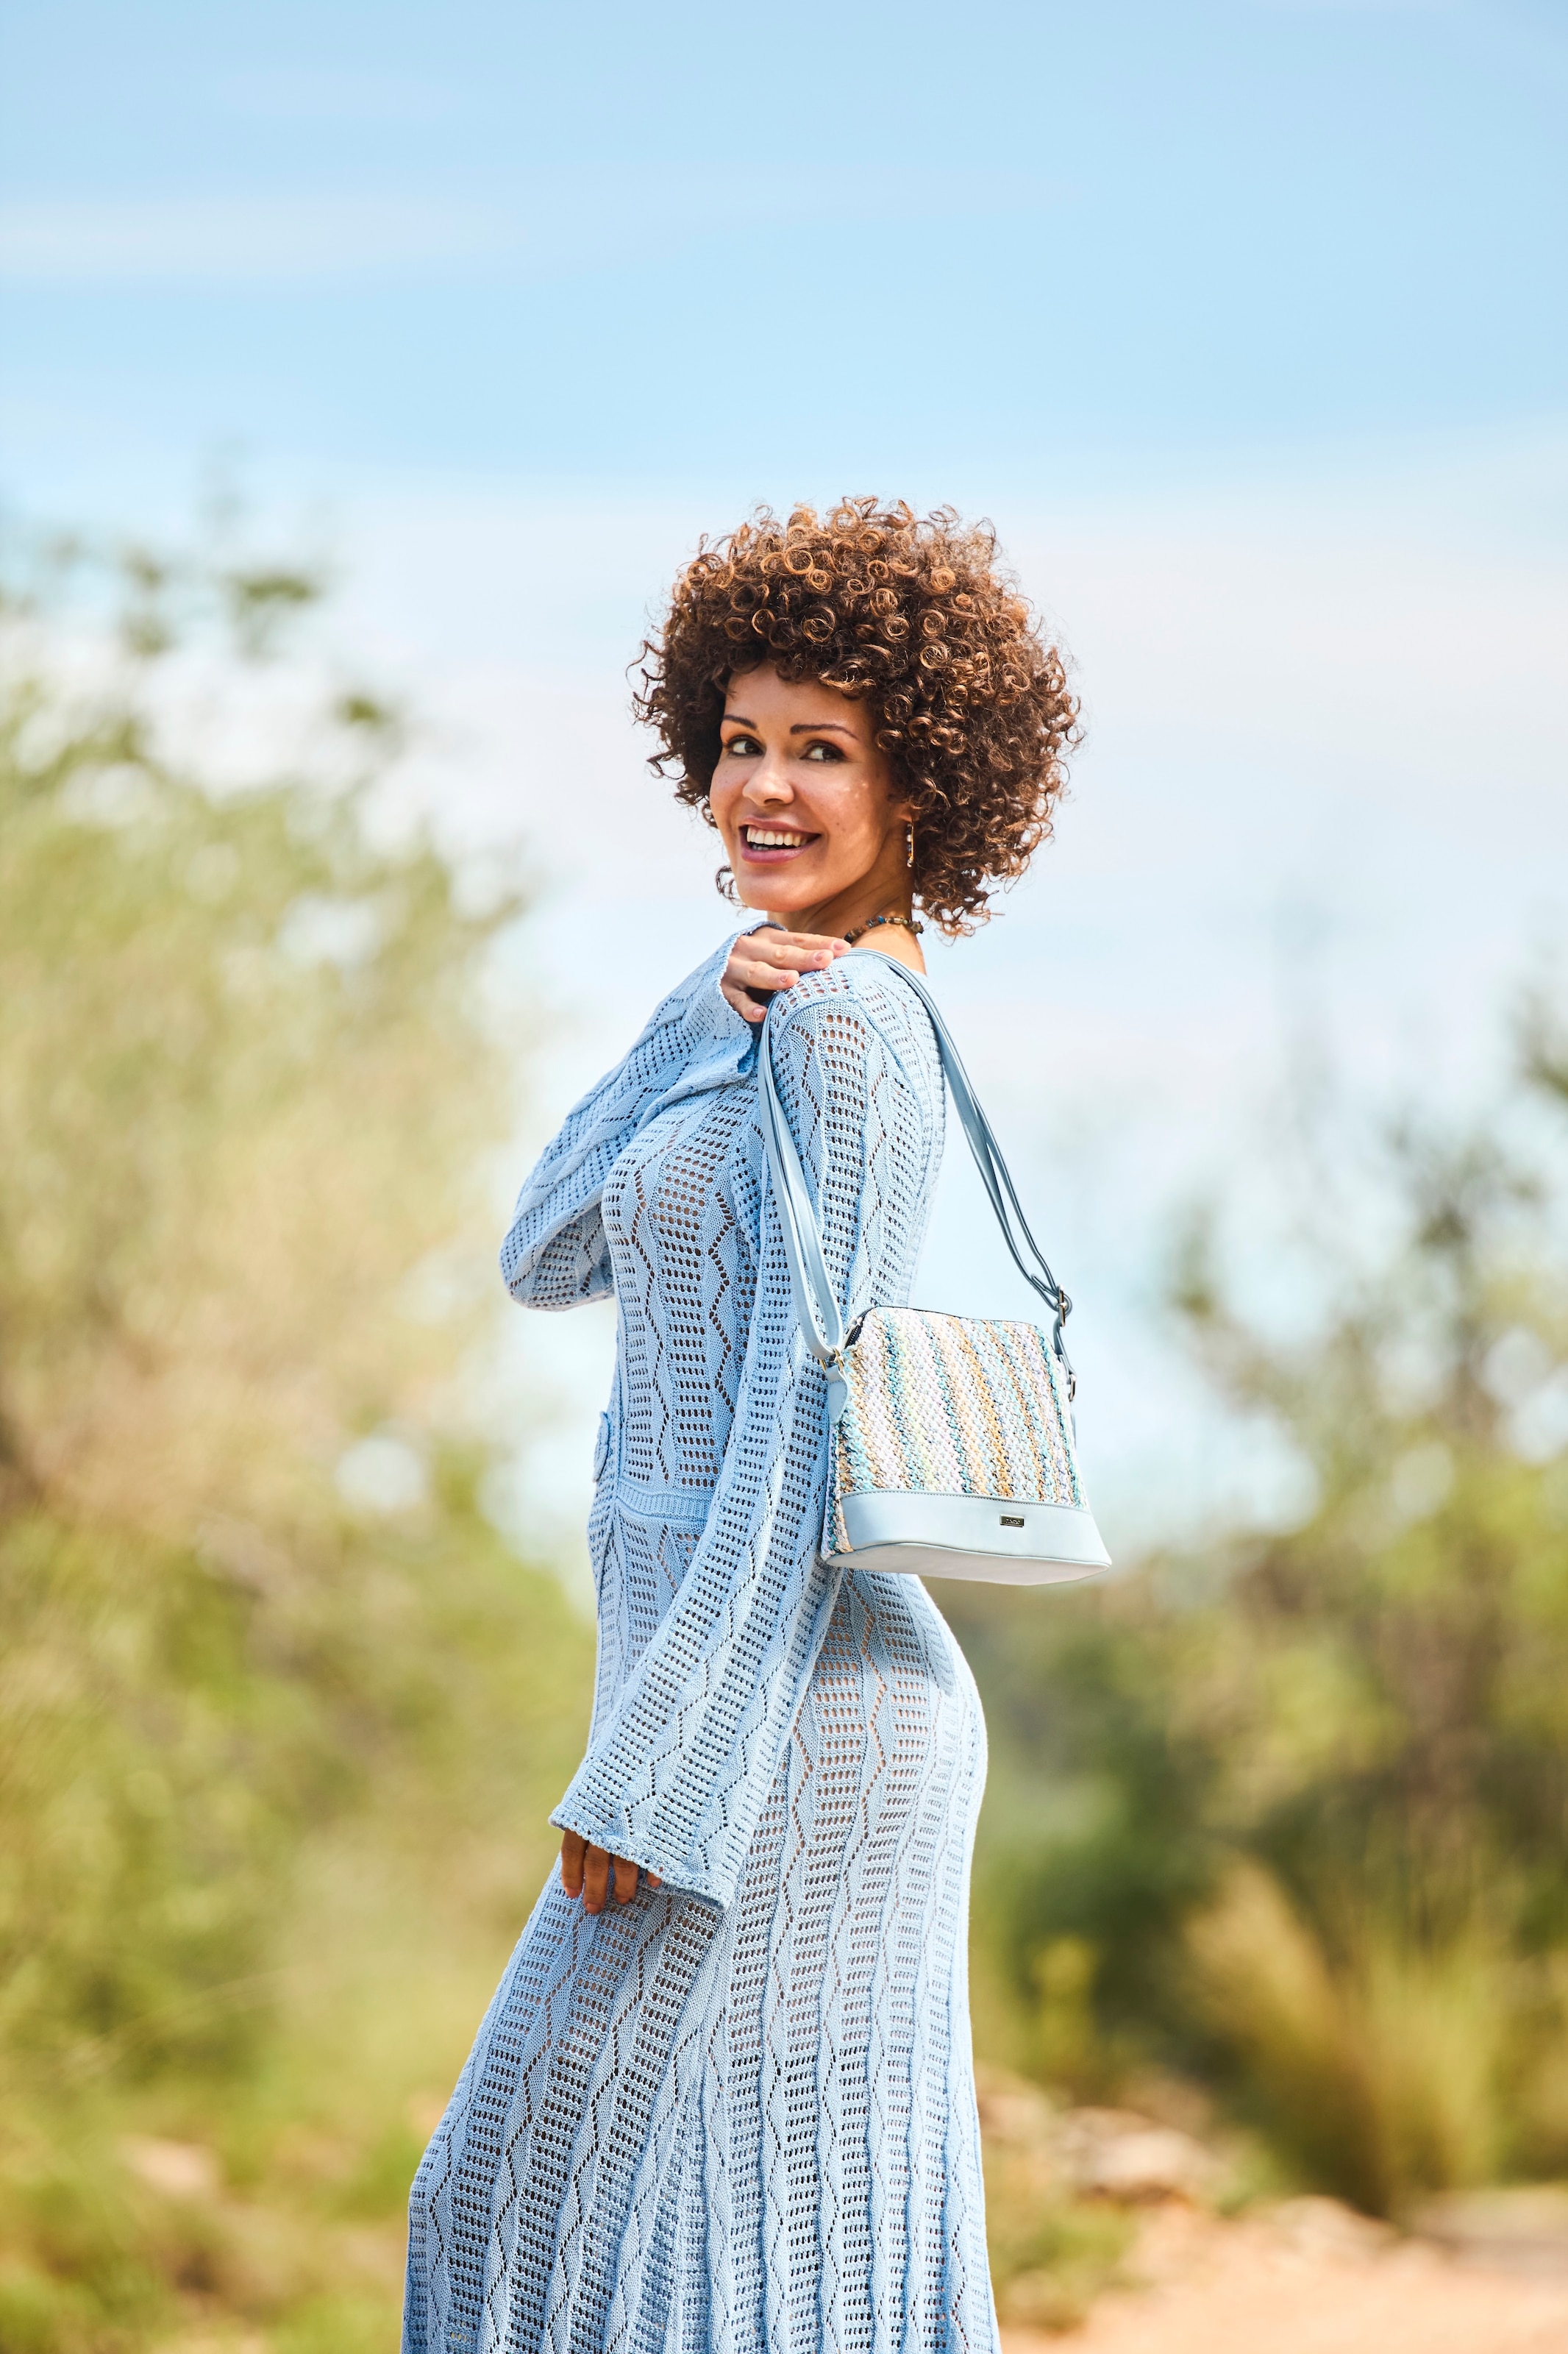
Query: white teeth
<point x="760" y="839"/>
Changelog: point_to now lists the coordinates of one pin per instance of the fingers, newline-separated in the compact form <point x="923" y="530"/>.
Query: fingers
<point x="741" y="1002"/>
<point x="803" y="950"/>
<point x="758" y="972"/>
<point x="592" y="1873"/>
<point x="767" y="961"/>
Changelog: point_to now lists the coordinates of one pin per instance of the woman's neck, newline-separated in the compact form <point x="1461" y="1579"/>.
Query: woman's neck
<point x="854" y="909"/>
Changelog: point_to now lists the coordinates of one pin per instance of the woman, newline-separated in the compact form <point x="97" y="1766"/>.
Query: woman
<point x="724" y="2095"/>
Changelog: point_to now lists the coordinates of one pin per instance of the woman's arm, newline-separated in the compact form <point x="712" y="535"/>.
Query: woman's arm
<point x="677" y="1777"/>
<point x="554" y="1255"/>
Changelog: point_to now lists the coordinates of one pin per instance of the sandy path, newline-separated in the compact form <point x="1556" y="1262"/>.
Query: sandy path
<point x="1240" y="2288"/>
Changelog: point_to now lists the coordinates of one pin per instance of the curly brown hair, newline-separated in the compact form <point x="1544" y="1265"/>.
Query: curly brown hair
<point x="914" y="612"/>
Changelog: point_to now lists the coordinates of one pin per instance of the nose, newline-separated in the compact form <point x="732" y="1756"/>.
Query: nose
<point x="769" y="780"/>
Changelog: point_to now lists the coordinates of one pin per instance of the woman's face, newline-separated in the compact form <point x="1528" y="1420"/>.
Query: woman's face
<point x="804" y="800"/>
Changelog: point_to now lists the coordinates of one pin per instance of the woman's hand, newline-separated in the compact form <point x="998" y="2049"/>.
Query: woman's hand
<point x="763" y="961"/>
<point x="588" y="1872"/>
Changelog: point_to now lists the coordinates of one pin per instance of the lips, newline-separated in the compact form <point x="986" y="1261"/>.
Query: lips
<point x="773" y="845"/>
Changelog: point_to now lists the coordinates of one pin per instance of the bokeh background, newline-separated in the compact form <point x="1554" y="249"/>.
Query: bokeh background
<point x="364" y="375"/>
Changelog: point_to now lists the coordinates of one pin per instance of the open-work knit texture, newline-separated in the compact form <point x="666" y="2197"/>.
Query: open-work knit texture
<point x="740" y="2112"/>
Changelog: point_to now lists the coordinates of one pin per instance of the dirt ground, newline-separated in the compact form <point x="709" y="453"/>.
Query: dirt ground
<point x="1310" y="2280"/>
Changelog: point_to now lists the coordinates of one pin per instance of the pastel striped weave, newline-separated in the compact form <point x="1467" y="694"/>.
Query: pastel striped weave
<point x="955" y="1404"/>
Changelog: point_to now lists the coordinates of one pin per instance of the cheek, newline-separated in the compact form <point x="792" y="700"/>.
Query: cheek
<point x="850" y="804"/>
<point x="723" y="794"/>
<point x="863" y="813"/>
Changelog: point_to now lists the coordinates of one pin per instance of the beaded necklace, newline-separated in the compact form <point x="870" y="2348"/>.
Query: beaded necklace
<point x="906" y="923"/>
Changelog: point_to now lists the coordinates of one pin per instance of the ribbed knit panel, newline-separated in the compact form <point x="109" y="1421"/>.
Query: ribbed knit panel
<point x="738" y="2113"/>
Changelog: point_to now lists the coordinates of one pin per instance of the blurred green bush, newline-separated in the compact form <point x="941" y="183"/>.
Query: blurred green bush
<point x="1287" y="1814"/>
<point x="281" y="1718"/>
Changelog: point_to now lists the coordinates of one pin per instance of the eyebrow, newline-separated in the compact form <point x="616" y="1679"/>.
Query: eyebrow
<point x="802" y="726"/>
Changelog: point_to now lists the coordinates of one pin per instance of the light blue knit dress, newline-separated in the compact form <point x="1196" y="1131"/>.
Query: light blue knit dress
<point x="738" y="2113"/>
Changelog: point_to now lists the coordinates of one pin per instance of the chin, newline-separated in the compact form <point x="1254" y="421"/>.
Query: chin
<point x="774" y="895"/>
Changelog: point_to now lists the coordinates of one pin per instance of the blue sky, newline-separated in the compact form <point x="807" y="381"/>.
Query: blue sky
<point x="1243" y="319"/>
<point x="972" y="245"/>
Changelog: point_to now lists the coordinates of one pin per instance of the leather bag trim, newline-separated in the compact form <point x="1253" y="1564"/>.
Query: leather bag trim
<point x="915" y="1533"/>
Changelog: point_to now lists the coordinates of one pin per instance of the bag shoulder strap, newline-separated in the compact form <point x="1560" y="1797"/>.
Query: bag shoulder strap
<point x="816" y="1303"/>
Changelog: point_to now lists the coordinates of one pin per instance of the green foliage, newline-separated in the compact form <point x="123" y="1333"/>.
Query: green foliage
<point x="274" y="1766"/>
<point x="1286" y="1812"/>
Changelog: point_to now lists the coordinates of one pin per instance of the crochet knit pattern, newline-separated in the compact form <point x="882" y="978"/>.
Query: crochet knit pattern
<point x="738" y="2112"/>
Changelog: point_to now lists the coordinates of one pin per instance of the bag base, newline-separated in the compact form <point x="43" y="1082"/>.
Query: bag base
<point x="994" y="1538"/>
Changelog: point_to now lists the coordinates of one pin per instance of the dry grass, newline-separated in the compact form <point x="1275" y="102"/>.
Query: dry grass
<point x="1384" y="2072"/>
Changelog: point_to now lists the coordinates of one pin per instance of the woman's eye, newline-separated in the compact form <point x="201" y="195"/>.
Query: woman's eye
<point x="745" y="747"/>
<point x="824" y="752"/>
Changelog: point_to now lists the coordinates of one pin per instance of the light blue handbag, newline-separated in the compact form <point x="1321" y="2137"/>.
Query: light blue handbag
<point x="953" y="1449"/>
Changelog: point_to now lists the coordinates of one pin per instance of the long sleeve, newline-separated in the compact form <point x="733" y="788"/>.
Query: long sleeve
<point x="676" y="1777"/>
<point x="554" y="1255"/>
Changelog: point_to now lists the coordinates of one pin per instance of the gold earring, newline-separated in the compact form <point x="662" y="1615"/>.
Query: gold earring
<point x="909" y="861"/>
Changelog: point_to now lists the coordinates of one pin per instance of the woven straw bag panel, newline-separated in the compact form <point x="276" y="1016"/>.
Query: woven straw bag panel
<point x="954" y="1407"/>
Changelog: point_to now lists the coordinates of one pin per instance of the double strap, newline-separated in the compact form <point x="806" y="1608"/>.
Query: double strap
<point x="816" y="1303"/>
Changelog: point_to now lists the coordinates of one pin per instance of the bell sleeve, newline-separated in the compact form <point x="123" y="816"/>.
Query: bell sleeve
<point x="676" y="1778"/>
<point x="555" y="1256"/>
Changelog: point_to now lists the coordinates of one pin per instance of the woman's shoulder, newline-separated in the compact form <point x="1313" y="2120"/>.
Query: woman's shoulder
<point x="871" y="988"/>
<point x="867" y="977"/>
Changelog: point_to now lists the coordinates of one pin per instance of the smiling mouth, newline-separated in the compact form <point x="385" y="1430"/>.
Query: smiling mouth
<point x="773" y="844"/>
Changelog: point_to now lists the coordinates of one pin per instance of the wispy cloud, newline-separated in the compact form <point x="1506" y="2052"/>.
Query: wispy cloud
<point x="203" y="239"/>
<point x="537" y="223"/>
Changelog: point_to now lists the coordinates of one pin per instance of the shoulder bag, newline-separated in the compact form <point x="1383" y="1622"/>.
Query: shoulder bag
<point x="953" y="1451"/>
